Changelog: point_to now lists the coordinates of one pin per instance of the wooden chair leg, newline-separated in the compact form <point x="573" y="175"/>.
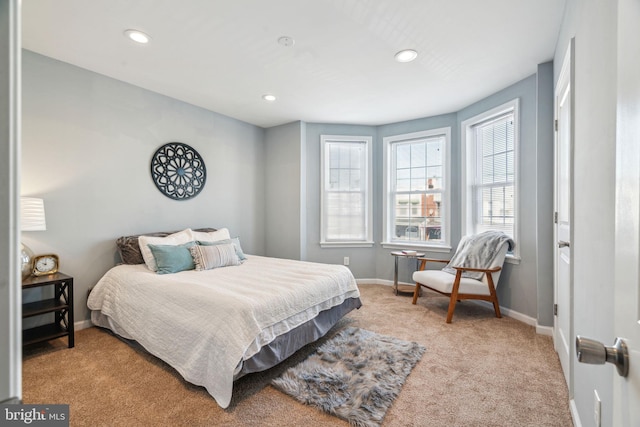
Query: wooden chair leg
<point x="496" y="307"/>
<point x="454" y="296"/>
<point x="494" y="296"/>
<point x="416" y="292"/>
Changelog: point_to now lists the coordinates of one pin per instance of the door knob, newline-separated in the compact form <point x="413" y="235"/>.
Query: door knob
<point x="594" y="352"/>
<point x="563" y="244"/>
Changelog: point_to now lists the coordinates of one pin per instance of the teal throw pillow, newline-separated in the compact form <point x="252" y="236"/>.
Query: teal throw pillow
<point x="173" y="259"/>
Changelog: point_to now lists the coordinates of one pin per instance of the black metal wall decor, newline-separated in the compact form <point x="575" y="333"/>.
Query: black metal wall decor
<point x="178" y="171"/>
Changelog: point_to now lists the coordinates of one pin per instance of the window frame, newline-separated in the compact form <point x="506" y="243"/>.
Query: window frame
<point x="470" y="168"/>
<point x="388" y="143"/>
<point x="368" y="205"/>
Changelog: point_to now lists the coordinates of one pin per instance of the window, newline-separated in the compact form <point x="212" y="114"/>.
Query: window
<point x="346" y="218"/>
<point x="490" y="169"/>
<point x="416" y="204"/>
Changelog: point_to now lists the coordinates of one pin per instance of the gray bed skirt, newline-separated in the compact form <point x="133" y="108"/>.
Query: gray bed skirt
<point x="287" y="344"/>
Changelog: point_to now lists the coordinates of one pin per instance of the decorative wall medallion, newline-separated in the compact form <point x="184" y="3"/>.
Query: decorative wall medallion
<point x="178" y="171"/>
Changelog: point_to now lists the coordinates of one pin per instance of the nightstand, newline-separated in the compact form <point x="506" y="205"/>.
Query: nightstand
<point x="61" y="305"/>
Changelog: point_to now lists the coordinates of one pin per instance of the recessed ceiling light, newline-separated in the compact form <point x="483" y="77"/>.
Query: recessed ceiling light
<point x="286" y="41"/>
<point x="269" y="97"/>
<point x="406" y="55"/>
<point x="137" y="36"/>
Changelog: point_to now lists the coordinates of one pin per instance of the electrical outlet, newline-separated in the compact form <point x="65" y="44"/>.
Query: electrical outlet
<point x="597" y="405"/>
<point x="346" y="260"/>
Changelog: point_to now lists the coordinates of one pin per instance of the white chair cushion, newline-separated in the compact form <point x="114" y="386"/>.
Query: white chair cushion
<point x="443" y="282"/>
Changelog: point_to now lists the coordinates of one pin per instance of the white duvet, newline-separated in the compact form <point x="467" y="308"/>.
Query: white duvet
<point x="203" y="323"/>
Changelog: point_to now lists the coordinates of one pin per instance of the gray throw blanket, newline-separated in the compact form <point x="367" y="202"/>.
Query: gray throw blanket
<point x="478" y="251"/>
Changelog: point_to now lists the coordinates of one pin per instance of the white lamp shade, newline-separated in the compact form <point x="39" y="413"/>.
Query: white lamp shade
<point x="32" y="214"/>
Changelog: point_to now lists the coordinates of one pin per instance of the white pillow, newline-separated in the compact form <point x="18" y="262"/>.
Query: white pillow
<point x="179" y="238"/>
<point x="212" y="236"/>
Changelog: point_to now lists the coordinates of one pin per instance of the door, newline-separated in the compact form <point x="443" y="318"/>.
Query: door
<point x="563" y="162"/>
<point x="626" y="391"/>
<point x="10" y="291"/>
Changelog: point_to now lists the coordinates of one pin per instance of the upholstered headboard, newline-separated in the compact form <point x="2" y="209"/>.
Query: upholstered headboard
<point x="129" y="249"/>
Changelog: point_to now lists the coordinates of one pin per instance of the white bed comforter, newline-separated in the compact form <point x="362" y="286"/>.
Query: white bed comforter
<point x="203" y="323"/>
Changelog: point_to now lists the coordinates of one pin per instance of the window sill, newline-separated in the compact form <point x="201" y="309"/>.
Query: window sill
<point x="421" y="247"/>
<point x="512" y="259"/>
<point x="346" y="244"/>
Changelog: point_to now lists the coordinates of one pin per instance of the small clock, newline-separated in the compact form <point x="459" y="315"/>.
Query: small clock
<point x="45" y="264"/>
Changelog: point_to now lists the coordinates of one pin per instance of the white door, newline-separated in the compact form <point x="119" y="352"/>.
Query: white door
<point x="563" y="291"/>
<point x="626" y="391"/>
<point x="10" y="289"/>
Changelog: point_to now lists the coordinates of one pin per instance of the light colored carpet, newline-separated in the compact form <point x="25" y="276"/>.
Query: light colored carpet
<point x="477" y="371"/>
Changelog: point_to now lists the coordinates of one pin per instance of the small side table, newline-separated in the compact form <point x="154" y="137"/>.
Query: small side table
<point x="61" y="305"/>
<point x="403" y="288"/>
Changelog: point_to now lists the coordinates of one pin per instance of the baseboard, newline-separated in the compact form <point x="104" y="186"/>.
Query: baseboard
<point x="544" y="330"/>
<point x="574" y="413"/>
<point x="381" y="282"/>
<point x="541" y="330"/>
<point x="83" y="324"/>
<point x="509" y="312"/>
<point x="370" y="282"/>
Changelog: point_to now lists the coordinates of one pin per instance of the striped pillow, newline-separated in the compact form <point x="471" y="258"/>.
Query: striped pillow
<point x="208" y="257"/>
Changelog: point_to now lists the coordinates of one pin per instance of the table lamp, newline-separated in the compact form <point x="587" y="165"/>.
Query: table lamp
<point x="31" y="219"/>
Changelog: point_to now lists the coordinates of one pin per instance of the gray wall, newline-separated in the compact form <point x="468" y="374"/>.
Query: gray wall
<point x="10" y="319"/>
<point x="283" y="190"/>
<point x="362" y="260"/>
<point x="87" y="144"/>
<point x="545" y="192"/>
<point x="594" y="26"/>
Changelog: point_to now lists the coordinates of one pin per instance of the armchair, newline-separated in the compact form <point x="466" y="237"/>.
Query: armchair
<point x="472" y="273"/>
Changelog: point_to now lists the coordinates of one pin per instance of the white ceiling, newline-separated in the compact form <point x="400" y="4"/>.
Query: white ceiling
<point x="223" y="55"/>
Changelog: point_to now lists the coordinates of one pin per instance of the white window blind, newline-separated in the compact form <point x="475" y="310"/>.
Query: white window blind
<point x="495" y="175"/>
<point x="346" y="189"/>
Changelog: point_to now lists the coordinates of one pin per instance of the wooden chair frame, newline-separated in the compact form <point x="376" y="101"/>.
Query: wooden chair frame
<point x="455" y="296"/>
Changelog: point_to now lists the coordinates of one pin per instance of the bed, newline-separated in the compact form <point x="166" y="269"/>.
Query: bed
<point x="215" y="325"/>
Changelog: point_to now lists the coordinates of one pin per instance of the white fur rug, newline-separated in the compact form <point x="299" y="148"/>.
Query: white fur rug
<point x="356" y="375"/>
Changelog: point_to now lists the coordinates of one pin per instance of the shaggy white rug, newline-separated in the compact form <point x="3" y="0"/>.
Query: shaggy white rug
<point x="356" y="375"/>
